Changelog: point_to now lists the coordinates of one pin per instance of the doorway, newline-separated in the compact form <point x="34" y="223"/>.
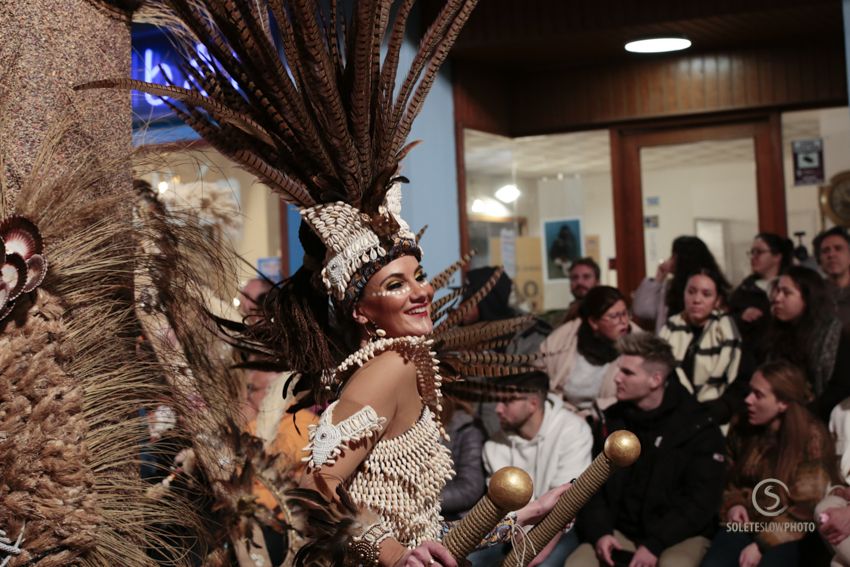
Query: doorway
<point x="639" y="212"/>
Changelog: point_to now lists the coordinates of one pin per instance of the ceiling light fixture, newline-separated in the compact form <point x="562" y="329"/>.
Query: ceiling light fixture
<point x="490" y="208"/>
<point x="508" y="194"/>
<point x="658" y="45"/>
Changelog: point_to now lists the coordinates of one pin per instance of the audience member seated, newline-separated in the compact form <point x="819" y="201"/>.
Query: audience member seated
<point x="496" y="306"/>
<point x="656" y="298"/>
<point x="832" y="250"/>
<point x="770" y="255"/>
<point x="579" y="355"/>
<point x="466" y="442"/>
<point x="662" y="509"/>
<point x="707" y="348"/>
<point x="777" y="440"/>
<point x="584" y="275"/>
<point x="806" y="332"/>
<point x="546" y="440"/>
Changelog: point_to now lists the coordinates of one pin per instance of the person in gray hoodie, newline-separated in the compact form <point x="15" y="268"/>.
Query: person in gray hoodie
<point x="552" y="444"/>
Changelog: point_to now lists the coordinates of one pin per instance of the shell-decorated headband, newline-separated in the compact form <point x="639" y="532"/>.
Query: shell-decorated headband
<point x="354" y="240"/>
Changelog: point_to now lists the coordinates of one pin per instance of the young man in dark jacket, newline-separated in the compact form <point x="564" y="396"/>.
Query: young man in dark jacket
<point x="661" y="510"/>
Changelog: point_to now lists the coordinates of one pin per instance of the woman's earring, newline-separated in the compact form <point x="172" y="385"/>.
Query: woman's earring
<point x="374" y="331"/>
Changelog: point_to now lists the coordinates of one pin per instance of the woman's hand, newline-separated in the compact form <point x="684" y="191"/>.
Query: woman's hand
<point x="536" y="510"/>
<point x="428" y="553"/>
<point x="664" y="268"/>
<point x="738" y="515"/>
<point x="750" y="556"/>
<point x="751" y="314"/>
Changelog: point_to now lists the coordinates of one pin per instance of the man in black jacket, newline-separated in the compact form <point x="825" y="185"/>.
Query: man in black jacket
<point x="662" y="509"/>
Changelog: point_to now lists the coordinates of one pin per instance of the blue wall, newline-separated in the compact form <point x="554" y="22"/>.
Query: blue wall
<point x="431" y="196"/>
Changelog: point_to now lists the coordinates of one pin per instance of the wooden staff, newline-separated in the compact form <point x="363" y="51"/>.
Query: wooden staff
<point x="622" y="448"/>
<point x="510" y="489"/>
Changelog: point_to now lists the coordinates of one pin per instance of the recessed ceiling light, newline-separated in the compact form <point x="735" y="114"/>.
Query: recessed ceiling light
<point x="658" y="45"/>
<point x="508" y="194"/>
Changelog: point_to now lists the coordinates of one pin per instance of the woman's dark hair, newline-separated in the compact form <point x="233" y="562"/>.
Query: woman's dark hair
<point x="819" y="302"/>
<point x="721" y="285"/>
<point x="692" y="255"/>
<point x="598" y="301"/>
<point x="596" y="349"/>
<point x="794" y="340"/>
<point x="779" y="245"/>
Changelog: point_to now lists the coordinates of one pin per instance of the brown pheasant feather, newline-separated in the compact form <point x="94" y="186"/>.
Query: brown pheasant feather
<point x="464" y="308"/>
<point x="322" y="120"/>
<point x="440" y="280"/>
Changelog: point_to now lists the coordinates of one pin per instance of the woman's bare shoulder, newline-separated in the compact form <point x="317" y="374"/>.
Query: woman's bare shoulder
<point x="382" y="379"/>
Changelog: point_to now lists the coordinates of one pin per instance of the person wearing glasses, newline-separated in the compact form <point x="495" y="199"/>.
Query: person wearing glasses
<point x="770" y="255"/>
<point x="706" y="344"/>
<point x="579" y="355"/>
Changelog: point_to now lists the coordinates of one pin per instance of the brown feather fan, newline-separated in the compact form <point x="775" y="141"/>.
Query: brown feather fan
<point x="317" y="117"/>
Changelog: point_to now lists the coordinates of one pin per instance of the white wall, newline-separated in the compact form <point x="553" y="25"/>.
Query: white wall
<point x="724" y="192"/>
<point x="804" y="214"/>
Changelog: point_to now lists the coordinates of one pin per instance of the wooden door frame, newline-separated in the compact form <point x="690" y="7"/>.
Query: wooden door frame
<point x="626" y="143"/>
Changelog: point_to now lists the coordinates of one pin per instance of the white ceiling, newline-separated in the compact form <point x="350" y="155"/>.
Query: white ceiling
<point x="589" y="152"/>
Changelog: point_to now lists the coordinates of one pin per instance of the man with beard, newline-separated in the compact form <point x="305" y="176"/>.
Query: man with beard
<point x="584" y="275"/>
<point x="539" y="435"/>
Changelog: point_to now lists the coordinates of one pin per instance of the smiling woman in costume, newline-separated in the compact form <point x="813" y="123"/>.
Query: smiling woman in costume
<point x="318" y="117"/>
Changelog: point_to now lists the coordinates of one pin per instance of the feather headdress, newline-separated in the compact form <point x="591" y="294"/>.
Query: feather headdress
<point x="297" y="92"/>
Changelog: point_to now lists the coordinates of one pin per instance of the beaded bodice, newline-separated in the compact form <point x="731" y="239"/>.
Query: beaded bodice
<point x="401" y="480"/>
<point x="402" y="477"/>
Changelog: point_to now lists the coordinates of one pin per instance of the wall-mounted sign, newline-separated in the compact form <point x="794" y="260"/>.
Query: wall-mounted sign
<point x="155" y="60"/>
<point x="808" y="161"/>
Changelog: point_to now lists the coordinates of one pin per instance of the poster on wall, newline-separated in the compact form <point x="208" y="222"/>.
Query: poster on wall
<point x="808" y="161"/>
<point x="562" y="241"/>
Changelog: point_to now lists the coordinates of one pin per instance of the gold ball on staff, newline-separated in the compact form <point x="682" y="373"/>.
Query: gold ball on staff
<point x="622" y="447"/>
<point x="510" y="488"/>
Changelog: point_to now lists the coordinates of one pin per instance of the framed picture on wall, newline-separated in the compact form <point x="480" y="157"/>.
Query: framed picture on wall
<point x="562" y="243"/>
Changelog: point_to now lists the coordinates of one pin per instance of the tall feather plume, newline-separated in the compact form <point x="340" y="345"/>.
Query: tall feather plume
<point x="324" y="114"/>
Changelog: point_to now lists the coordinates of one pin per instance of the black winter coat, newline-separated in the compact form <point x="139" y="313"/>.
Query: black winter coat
<point x="674" y="489"/>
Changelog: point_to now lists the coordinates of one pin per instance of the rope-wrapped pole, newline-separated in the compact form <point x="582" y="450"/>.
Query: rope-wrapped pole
<point x="622" y="448"/>
<point x="510" y="489"/>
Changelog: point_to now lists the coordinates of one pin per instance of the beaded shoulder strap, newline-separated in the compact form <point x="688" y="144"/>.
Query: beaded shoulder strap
<point x="327" y="439"/>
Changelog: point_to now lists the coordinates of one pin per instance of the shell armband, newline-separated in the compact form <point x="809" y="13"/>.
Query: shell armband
<point x="327" y="439"/>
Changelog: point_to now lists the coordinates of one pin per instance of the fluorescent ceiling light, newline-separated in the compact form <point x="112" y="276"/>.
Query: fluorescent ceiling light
<point x="658" y="45"/>
<point x="490" y="208"/>
<point x="508" y="194"/>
